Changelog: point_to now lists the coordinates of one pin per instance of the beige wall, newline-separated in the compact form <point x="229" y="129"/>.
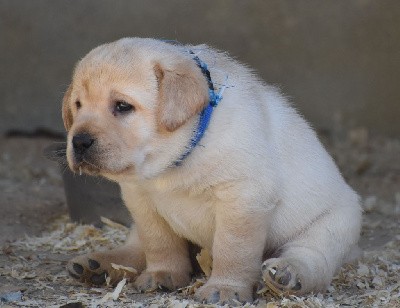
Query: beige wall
<point x="331" y="57"/>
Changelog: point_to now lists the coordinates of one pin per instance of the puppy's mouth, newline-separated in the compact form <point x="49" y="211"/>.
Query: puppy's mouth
<point x="86" y="167"/>
<point x="86" y="155"/>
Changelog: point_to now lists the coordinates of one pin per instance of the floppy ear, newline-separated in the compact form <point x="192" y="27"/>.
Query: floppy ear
<point x="66" y="109"/>
<point x="183" y="92"/>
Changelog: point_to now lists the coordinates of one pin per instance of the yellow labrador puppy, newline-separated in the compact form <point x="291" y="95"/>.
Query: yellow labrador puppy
<point x="240" y="174"/>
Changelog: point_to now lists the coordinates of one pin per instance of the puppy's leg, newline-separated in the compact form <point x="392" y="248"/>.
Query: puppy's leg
<point x="237" y="253"/>
<point x="95" y="267"/>
<point x="167" y="255"/>
<point x="308" y="263"/>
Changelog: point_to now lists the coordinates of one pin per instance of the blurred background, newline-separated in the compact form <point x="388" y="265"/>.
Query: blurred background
<point x="338" y="60"/>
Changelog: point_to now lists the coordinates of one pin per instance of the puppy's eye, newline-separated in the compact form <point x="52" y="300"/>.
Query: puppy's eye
<point x="78" y="104"/>
<point x="122" y="107"/>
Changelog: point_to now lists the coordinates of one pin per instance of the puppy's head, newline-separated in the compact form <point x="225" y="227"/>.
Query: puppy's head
<point x="125" y="96"/>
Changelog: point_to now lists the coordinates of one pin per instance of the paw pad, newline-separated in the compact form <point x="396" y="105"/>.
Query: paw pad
<point x="78" y="268"/>
<point x="88" y="270"/>
<point x="93" y="264"/>
<point x="98" y="279"/>
<point x="281" y="277"/>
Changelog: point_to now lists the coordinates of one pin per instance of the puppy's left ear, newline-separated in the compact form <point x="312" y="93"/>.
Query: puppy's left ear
<point x="183" y="92"/>
<point x="66" y="109"/>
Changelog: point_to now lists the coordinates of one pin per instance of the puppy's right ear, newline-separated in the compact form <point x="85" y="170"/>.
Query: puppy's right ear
<point x="66" y="109"/>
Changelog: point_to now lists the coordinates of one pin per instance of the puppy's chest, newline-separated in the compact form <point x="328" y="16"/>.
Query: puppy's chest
<point x="192" y="217"/>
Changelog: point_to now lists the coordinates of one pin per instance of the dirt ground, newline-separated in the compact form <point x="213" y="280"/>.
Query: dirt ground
<point x="37" y="237"/>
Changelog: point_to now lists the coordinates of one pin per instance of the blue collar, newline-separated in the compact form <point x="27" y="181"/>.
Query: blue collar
<point x="205" y="115"/>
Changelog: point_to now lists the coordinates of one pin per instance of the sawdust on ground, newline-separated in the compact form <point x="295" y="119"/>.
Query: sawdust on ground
<point x="33" y="258"/>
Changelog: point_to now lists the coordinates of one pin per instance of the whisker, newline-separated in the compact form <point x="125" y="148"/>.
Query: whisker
<point x="90" y="164"/>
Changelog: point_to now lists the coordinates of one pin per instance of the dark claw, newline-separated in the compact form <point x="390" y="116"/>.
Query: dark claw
<point x="214" y="297"/>
<point x="297" y="287"/>
<point x="78" y="268"/>
<point x="163" y="288"/>
<point x="168" y="282"/>
<point x="93" y="264"/>
<point x="73" y="275"/>
<point x="98" y="279"/>
<point x="236" y="295"/>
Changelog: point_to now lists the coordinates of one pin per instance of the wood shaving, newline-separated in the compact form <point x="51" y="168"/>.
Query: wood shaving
<point x="115" y="294"/>
<point x="191" y="289"/>
<point x="113" y="224"/>
<point x="123" y="268"/>
<point x="372" y="282"/>
<point x="205" y="261"/>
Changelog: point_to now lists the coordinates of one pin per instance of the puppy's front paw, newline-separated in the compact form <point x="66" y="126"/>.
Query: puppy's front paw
<point x="281" y="276"/>
<point x="94" y="270"/>
<point x="224" y="294"/>
<point x="151" y="281"/>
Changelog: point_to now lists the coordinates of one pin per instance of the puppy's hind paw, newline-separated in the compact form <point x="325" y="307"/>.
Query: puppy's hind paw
<point x="281" y="277"/>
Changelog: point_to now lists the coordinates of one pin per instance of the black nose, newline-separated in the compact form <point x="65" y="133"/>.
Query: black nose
<point x="82" y="142"/>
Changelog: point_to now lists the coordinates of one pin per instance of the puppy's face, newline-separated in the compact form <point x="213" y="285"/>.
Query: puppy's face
<point x="124" y="97"/>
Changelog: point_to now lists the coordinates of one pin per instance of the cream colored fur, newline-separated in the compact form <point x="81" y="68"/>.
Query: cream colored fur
<point x="259" y="187"/>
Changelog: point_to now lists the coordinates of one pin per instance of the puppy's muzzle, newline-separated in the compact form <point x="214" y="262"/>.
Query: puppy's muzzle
<point x="81" y="144"/>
